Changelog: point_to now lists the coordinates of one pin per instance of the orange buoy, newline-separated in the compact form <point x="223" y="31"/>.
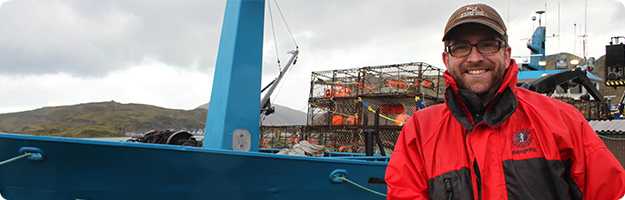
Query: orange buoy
<point x="352" y="120"/>
<point x="399" y="84"/>
<point x="337" y="120"/>
<point x="426" y="84"/>
<point x="392" y="109"/>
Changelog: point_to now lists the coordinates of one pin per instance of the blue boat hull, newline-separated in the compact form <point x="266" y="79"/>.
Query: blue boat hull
<point x="87" y="169"/>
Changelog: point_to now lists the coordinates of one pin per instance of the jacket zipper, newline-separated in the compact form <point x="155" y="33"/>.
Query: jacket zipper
<point x="476" y="168"/>
<point x="449" y="188"/>
<point x="478" y="178"/>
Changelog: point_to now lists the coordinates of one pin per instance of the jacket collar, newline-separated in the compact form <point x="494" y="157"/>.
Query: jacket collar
<point x="497" y="110"/>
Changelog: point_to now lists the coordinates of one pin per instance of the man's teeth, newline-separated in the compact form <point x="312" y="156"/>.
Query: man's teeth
<point x="479" y="71"/>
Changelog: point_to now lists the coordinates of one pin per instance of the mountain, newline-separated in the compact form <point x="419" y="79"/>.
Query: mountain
<point x="113" y="119"/>
<point x="101" y="119"/>
<point x="281" y="117"/>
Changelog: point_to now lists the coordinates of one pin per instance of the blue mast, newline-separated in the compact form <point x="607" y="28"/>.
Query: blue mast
<point x="537" y="48"/>
<point x="537" y="44"/>
<point x="232" y="122"/>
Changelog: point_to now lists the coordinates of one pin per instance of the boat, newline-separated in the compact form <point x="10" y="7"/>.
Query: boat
<point x="229" y="165"/>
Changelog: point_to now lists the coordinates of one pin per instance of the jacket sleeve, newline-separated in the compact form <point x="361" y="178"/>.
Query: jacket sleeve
<point x="405" y="177"/>
<point x="598" y="174"/>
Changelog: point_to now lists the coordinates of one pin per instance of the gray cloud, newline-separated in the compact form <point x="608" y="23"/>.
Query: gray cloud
<point x="105" y="40"/>
<point x="90" y="38"/>
<point x="95" y="37"/>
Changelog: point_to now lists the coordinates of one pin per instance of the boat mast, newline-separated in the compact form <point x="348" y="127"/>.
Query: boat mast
<point x="537" y="44"/>
<point x="232" y="122"/>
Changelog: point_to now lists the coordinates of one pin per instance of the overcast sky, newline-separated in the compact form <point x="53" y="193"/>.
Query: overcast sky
<point x="162" y="52"/>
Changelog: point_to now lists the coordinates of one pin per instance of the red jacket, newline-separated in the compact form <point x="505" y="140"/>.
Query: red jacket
<point x="527" y="146"/>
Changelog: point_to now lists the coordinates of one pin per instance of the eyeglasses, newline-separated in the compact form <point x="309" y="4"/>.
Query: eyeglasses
<point x="484" y="47"/>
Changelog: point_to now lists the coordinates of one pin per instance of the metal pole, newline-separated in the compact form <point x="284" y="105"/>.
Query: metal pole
<point x="368" y="135"/>
<point x="376" y="132"/>
<point x="236" y="83"/>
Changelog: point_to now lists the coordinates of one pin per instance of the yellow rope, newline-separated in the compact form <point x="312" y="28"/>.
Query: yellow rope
<point x="369" y="108"/>
<point x="342" y="178"/>
<point x="15" y="158"/>
<point x="384" y="116"/>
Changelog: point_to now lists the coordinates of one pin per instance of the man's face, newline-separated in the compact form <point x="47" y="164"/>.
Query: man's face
<point x="477" y="72"/>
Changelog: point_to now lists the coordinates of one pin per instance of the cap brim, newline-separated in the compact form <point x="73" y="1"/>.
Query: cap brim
<point x="481" y="21"/>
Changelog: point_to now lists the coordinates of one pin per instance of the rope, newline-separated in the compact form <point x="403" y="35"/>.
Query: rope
<point x="343" y="178"/>
<point x="15" y="158"/>
<point x="611" y="138"/>
<point x="370" y="109"/>
<point x="275" y="39"/>
<point x="285" y="24"/>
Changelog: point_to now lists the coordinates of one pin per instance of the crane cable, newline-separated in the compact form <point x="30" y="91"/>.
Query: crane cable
<point x="273" y="30"/>
<point x="286" y="24"/>
<point x="276" y="38"/>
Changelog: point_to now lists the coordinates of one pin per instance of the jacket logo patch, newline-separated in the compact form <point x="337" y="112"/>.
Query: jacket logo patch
<point x="522" y="138"/>
<point x="521" y="141"/>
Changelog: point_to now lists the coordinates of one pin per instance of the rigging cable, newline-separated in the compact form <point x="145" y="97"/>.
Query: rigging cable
<point x="16" y="158"/>
<point x="275" y="39"/>
<point x="285" y="23"/>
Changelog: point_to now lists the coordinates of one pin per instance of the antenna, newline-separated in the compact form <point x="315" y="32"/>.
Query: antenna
<point x="574" y="38"/>
<point x="508" y="13"/>
<point x="585" y="29"/>
<point x="544" y="12"/>
<point x="559" y="25"/>
<point x="585" y="17"/>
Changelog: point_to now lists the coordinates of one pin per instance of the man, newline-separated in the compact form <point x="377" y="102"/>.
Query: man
<point x="493" y="140"/>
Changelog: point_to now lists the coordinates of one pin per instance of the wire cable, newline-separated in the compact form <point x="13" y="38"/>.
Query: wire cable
<point x="361" y="187"/>
<point x="15" y="158"/>
<point x="275" y="39"/>
<point x="286" y="24"/>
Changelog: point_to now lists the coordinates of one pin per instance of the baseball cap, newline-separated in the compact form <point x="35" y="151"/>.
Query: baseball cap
<point x="476" y="13"/>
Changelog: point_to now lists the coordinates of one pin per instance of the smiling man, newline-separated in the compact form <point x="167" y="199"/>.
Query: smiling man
<point x="492" y="139"/>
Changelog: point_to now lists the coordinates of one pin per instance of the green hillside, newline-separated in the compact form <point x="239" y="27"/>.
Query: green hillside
<point x="102" y="119"/>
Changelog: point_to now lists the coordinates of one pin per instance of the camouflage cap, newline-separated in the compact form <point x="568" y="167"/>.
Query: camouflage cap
<point x="476" y="13"/>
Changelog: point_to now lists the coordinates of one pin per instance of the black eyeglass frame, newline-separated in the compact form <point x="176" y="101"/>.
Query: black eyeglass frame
<point x="500" y="44"/>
